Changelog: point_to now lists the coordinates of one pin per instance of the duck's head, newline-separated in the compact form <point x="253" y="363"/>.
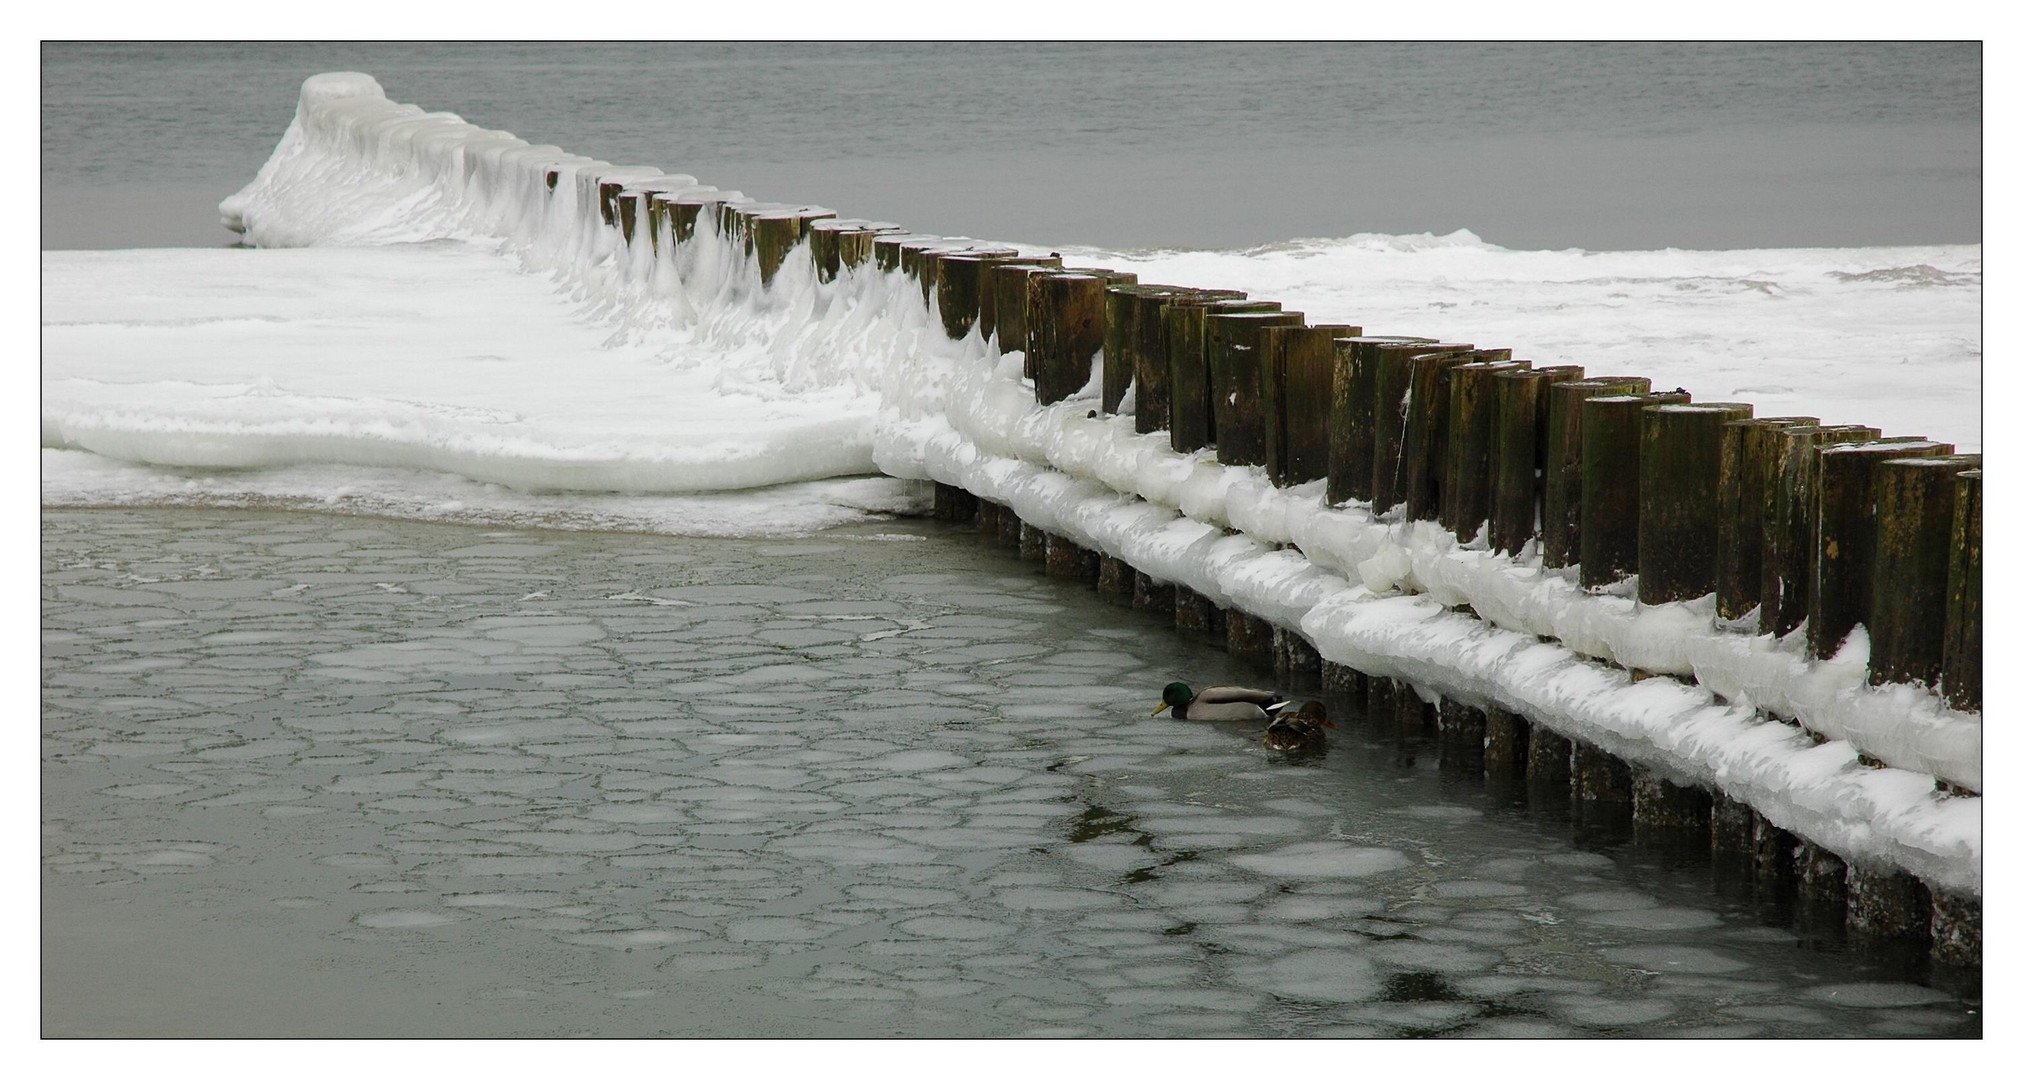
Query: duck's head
<point x="1176" y="694"/>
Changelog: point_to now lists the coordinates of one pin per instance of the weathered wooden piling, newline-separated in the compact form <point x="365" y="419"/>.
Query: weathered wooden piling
<point x="1124" y="337"/>
<point x="1822" y="891"/>
<point x="1598" y="778"/>
<point x="1191" y="404"/>
<point x="1611" y="437"/>
<point x="1559" y="516"/>
<point x="1197" y="613"/>
<point x="1011" y="531"/>
<point x="1114" y="579"/>
<point x="1913" y="556"/>
<point x="1746" y="495"/>
<point x="953" y="503"/>
<point x="1346" y="683"/>
<point x="1146" y="345"/>
<point x="958" y="288"/>
<point x="1961" y="678"/>
<point x="1299" y="376"/>
<point x="1776" y="851"/>
<point x="1005" y="315"/>
<point x="1352" y="415"/>
<point x="1232" y="342"/>
<point x="1426" y="417"/>
<point x="686" y="210"/>
<point x="1032" y="542"/>
<point x="1519" y="440"/>
<point x="1294" y="657"/>
<point x="1791" y="532"/>
<point x="1149" y="594"/>
<point x="1468" y="483"/>
<point x="1732" y="838"/>
<point x="885" y="247"/>
<point x="1506" y="738"/>
<point x="1064" y="331"/>
<point x="1248" y="636"/>
<point x="1887" y="907"/>
<point x="1070" y="561"/>
<point x="836" y="243"/>
<point x="1678" y="498"/>
<point x="1414" y="715"/>
<point x="1379" y="699"/>
<point x="1666" y="814"/>
<point x="1844" y="588"/>
<point x="1955" y="929"/>
<point x="1548" y="767"/>
<point x="776" y="233"/>
<point x="1463" y="734"/>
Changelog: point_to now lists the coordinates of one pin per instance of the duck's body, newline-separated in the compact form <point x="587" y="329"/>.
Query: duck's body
<point x="1301" y="730"/>
<point x="1219" y="703"/>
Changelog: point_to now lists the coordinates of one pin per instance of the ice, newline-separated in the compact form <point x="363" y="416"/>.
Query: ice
<point x="1425" y="956"/>
<point x="1324" y="859"/>
<point x="1327" y="975"/>
<point x="404" y="920"/>
<point x="1685" y="959"/>
<point x="1876" y="995"/>
<point x="1657" y="918"/>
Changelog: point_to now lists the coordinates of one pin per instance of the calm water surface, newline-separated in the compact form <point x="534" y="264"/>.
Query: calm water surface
<point x="306" y="775"/>
<point x="1531" y="145"/>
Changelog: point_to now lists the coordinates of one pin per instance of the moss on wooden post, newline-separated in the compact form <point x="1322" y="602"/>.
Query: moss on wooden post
<point x="1844" y="588"/>
<point x="1468" y="481"/>
<point x="1791" y="532"/>
<point x="1519" y="435"/>
<point x="1391" y="416"/>
<point x="1427" y="414"/>
<point x="1232" y="342"/>
<point x="1611" y="438"/>
<point x="1678" y="503"/>
<point x="1745" y="498"/>
<point x="1191" y="415"/>
<point x="1886" y="907"/>
<point x="1352" y="415"/>
<point x="1961" y="677"/>
<point x="1298" y="395"/>
<point x="1914" y="550"/>
<point x="1559" y="516"/>
<point x="1065" y="331"/>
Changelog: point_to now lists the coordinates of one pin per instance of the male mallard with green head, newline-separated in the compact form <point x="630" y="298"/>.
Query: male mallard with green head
<point x="1299" y="730"/>
<point x="1219" y="703"/>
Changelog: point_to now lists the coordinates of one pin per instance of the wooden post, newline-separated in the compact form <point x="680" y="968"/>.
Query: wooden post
<point x="1888" y="906"/>
<point x="1844" y="589"/>
<point x="685" y="211"/>
<point x="1390" y="419"/>
<point x="1791" y="535"/>
<point x="1662" y="812"/>
<point x="1520" y="440"/>
<point x="775" y="234"/>
<point x="1146" y="346"/>
<point x="885" y="248"/>
<point x="1191" y="420"/>
<point x="1678" y="506"/>
<point x="1468" y="481"/>
<point x="1745" y="498"/>
<point x="834" y="243"/>
<point x="1426" y="417"/>
<point x="1559" y="517"/>
<point x="1961" y="678"/>
<point x="1548" y="767"/>
<point x="1352" y="415"/>
<point x="987" y="293"/>
<point x="958" y="288"/>
<point x="1236" y="380"/>
<point x="1149" y="594"/>
<point x="1611" y="435"/>
<point x="1008" y="301"/>
<point x="1913" y="555"/>
<point x="1066" y="331"/>
<point x="1505" y="737"/>
<point x="1298" y="394"/>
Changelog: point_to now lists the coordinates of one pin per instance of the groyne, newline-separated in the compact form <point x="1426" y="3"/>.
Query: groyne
<point x="1760" y="631"/>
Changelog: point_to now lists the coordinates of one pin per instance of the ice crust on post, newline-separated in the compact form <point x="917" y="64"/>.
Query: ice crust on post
<point x="1377" y="594"/>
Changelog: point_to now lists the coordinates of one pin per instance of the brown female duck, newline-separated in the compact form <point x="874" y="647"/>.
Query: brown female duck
<point x="1299" y="730"/>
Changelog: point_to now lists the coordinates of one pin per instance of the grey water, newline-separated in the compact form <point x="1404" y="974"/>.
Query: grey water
<point x="317" y="775"/>
<point x="1605" y="146"/>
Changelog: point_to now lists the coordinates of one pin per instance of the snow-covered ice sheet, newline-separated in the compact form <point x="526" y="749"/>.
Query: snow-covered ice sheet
<point x="454" y="314"/>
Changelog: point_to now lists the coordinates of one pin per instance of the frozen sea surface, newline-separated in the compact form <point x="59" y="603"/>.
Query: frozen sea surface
<point x="315" y="775"/>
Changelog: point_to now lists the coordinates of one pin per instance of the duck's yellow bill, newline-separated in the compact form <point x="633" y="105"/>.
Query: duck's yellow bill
<point x="1160" y="709"/>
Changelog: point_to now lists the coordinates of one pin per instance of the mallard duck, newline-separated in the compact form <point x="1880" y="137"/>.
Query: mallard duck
<point x="1300" y="730"/>
<point x="1219" y="703"/>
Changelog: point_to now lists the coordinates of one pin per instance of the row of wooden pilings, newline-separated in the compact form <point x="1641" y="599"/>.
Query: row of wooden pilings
<point x="1832" y="901"/>
<point x="1785" y="521"/>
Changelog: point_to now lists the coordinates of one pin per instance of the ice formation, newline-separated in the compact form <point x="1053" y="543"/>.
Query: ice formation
<point x="888" y="388"/>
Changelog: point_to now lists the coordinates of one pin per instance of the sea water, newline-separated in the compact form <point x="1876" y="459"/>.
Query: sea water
<point x="1198" y="145"/>
<point x="309" y="775"/>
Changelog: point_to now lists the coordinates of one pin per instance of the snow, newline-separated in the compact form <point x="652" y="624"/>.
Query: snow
<point x="443" y="336"/>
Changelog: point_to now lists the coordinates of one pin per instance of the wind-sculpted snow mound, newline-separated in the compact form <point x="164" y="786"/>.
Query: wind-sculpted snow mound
<point x="610" y="358"/>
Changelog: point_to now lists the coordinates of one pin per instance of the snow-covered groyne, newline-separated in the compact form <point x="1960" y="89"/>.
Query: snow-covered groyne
<point x="1880" y="777"/>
